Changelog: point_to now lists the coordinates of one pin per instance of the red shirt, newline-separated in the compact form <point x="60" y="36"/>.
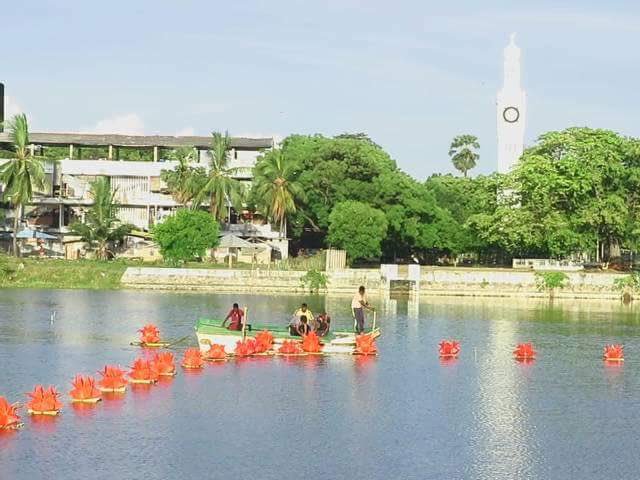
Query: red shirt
<point x="235" y="314"/>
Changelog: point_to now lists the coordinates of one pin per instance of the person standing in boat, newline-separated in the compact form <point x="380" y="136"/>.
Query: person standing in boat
<point x="359" y="304"/>
<point x="235" y="315"/>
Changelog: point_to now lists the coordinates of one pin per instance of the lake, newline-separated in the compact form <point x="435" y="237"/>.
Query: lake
<point x="403" y="414"/>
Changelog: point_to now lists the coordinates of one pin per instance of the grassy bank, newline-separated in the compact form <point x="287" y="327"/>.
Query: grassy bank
<point x="96" y="274"/>
<point x="49" y="273"/>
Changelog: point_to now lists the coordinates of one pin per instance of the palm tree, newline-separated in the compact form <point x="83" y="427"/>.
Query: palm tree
<point x="222" y="189"/>
<point x="463" y="152"/>
<point x="22" y="174"/>
<point x="184" y="181"/>
<point x="276" y="187"/>
<point x="101" y="226"/>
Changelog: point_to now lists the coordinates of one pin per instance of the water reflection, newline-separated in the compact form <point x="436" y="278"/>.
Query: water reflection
<point x="403" y="414"/>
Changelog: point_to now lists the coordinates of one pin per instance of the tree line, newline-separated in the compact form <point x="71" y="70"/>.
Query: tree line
<point x="574" y="193"/>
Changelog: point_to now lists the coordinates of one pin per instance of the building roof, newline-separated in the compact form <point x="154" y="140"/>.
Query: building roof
<point x="99" y="140"/>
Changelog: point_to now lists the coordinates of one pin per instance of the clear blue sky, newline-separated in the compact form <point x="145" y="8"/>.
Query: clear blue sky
<point x="411" y="74"/>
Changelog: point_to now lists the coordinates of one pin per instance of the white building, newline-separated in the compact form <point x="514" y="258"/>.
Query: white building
<point x="511" y="111"/>
<point x="143" y="197"/>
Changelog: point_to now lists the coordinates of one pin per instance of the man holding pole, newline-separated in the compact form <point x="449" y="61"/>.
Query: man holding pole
<point x="358" y="306"/>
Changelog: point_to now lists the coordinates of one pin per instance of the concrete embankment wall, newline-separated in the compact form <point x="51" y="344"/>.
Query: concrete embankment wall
<point x="513" y="283"/>
<point x="250" y="281"/>
<point x="433" y="282"/>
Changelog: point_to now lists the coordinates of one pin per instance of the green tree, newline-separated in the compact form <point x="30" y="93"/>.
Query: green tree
<point x="357" y="228"/>
<point x="22" y="174"/>
<point x="220" y="187"/>
<point x="101" y="227"/>
<point x="184" y="181"/>
<point x="572" y="192"/>
<point x="276" y="187"/>
<point x="187" y="235"/>
<point x="463" y="153"/>
<point x="333" y="170"/>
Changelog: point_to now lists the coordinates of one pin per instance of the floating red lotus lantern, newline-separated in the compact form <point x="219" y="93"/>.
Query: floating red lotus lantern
<point x="192" y="358"/>
<point x="449" y="349"/>
<point x="9" y="418"/>
<point x="164" y="364"/>
<point x="112" y="380"/>
<point x="143" y="371"/>
<point x="264" y="341"/>
<point x="149" y="335"/>
<point x="524" y="351"/>
<point x="311" y="343"/>
<point x="245" y="348"/>
<point x="614" y="353"/>
<point x="290" y="347"/>
<point x="365" y="345"/>
<point x="44" y="401"/>
<point x="84" y="390"/>
<point x="216" y="352"/>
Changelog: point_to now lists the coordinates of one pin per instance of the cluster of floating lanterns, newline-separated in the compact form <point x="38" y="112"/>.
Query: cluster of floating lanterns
<point x="450" y="349"/>
<point x="145" y="370"/>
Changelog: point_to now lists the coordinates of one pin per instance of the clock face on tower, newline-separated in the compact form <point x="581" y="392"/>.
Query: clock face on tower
<point x="511" y="114"/>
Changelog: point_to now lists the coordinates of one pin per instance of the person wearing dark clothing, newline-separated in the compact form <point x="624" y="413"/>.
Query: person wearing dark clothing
<point x="323" y="323"/>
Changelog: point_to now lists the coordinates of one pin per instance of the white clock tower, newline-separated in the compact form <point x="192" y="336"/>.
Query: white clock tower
<point x="511" y="110"/>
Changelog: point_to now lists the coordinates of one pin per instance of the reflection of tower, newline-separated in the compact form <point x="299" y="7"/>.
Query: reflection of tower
<point x="511" y="109"/>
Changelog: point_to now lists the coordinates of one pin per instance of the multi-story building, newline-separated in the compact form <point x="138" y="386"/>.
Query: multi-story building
<point x="143" y="197"/>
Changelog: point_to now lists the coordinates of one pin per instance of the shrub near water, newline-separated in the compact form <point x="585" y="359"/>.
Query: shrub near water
<point x="186" y="235"/>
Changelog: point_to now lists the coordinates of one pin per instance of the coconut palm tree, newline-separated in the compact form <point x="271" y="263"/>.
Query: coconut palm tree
<point x="219" y="186"/>
<point x="101" y="226"/>
<point x="184" y="181"/>
<point x="22" y="174"/>
<point x="276" y="187"/>
<point x="463" y="152"/>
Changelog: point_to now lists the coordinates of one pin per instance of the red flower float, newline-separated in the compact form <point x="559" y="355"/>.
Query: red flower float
<point x="264" y="341"/>
<point x="311" y="343"/>
<point x="143" y="371"/>
<point x="216" y="352"/>
<point x="164" y="364"/>
<point x="365" y="345"/>
<point x="193" y="358"/>
<point x="149" y="335"/>
<point x="449" y="349"/>
<point x="245" y="348"/>
<point x="112" y="379"/>
<point x="9" y="418"/>
<point x="524" y="351"/>
<point x="44" y="401"/>
<point x="290" y="347"/>
<point x="84" y="390"/>
<point x="614" y="353"/>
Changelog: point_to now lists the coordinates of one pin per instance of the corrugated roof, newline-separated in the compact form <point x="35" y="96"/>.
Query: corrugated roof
<point x="97" y="140"/>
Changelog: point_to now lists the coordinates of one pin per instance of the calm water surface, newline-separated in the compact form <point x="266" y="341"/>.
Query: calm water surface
<point x="403" y="414"/>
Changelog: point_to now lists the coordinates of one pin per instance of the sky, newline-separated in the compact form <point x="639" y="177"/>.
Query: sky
<point x="412" y="74"/>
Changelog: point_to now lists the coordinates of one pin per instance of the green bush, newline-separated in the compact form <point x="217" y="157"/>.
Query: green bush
<point x="314" y="280"/>
<point x="186" y="236"/>
<point x="550" y="281"/>
<point x="628" y="282"/>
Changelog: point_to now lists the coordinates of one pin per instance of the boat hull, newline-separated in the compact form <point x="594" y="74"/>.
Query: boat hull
<point x="210" y="332"/>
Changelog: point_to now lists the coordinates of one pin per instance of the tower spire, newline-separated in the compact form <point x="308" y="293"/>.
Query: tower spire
<point x="511" y="110"/>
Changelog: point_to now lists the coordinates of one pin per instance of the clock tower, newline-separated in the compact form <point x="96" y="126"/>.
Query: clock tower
<point x="511" y="109"/>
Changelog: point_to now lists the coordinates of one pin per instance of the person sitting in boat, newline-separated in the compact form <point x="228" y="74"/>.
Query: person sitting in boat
<point x="304" y="328"/>
<point x="235" y="315"/>
<point x="297" y="316"/>
<point x="322" y="324"/>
